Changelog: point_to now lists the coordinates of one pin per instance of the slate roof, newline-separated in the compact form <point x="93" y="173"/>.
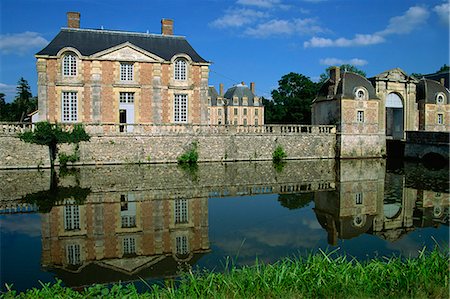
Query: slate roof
<point x="91" y="41"/>
<point x="438" y="76"/>
<point x="428" y="89"/>
<point x="240" y="91"/>
<point x="346" y="86"/>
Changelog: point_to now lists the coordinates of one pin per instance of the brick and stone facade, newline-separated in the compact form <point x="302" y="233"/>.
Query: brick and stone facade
<point x="237" y="106"/>
<point x="103" y="76"/>
<point x="367" y="112"/>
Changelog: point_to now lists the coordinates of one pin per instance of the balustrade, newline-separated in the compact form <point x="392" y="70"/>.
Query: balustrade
<point x="98" y="129"/>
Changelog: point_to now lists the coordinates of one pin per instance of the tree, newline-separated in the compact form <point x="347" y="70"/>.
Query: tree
<point x="291" y="101"/>
<point x="24" y="102"/>
<point x="444" y="68"/>
<point x="4" y="107"/>
<point x="343" y="67"/>
<point x="51" y="135"/>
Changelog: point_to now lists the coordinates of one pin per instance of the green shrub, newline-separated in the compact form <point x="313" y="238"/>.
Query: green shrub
<point x="278" y="154"/>
<point x="64" y="158"/>
<point x="190" y="157"/>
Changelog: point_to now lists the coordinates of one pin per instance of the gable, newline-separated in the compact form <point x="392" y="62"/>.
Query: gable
<point x="127" y="52"/>
<point x="396" y="74"/>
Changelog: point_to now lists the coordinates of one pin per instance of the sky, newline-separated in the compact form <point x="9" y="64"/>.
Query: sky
<point x="245" y="40"/>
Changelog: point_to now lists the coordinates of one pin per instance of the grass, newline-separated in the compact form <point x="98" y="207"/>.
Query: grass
<point x="317" y="276"/>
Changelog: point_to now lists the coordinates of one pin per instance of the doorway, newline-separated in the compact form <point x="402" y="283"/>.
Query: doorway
<point x="394" y="117"/>
<point x="122" y="119"/>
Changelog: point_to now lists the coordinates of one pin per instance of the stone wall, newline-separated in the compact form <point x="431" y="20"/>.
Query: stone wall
<point x="299" y="142"/>
<point x="420" y="143"/>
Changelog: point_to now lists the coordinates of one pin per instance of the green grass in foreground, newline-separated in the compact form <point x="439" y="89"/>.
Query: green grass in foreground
<point x="317" y="276"/>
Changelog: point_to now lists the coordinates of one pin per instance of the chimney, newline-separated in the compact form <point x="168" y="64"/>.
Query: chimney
<point x="252" y="87"/>
<point x="167" y="27"/>
<point x="335" y="74"/>
<point x="73" y="19"/>
<point x="221" y="89"/>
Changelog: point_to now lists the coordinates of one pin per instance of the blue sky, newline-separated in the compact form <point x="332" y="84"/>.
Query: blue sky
<point x="246" y="40"/>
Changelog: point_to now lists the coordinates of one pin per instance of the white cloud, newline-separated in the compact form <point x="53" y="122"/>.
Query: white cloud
<point x="259" y="3"/>
<point x="404" y="24"/>
<point x="358" y="40"/>
<point x="443" y="12"/>
<point x="414" y="17"/>
<point x="284" y="27"/>
<point x="21" y="43"/>
<point x="238" y="18"/>
<point x="337" y="61"/>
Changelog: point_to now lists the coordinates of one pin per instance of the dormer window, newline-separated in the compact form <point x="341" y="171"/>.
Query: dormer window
<point x="440" y="98"/>
<point x="70" y="64"/>
<point x="126" y="71"/>
<point x="180" y="69"/>
<point x="360" y="94"/>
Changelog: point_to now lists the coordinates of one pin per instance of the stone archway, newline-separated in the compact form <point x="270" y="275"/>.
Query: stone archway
<point x="394" y="116"/>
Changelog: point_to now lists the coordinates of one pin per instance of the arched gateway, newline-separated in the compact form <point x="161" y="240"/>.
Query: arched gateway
<point x="394" y="116"/>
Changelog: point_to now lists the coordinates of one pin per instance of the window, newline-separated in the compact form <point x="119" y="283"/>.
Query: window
<point x="235" y="111"/>
<point x="73" y="254"/>
<point x="256" y="121"/>
<point x="70" y="65"/>
<point x="126" y="71"/>
<point x="360" y="93"/>
<point x="182" y="245"/>
<point x="181" y="211"/>
<point x="180" y="69"/>
<point x="245" y="121"/>
<point x="129" y="245"/>
<point x="235" y="122"/>
<point x="69" y="107"/>
<point x="71" y="217"/>
<point x="219" y="111"/>
<point x="126" y="97"/>
<point x="440" y="119"/>
<point x="180" y="108"/>
<point x="440" y="98"/>
<point x="360" y="116"/>
<point x="256" y="112"/>
<point x="235" y="101"/>
<point x="245" y="111"/>
<point x="359" y="198"/>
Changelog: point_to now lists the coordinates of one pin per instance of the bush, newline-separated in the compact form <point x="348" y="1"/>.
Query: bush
<point x="279" y="154"/>
<point x="190" y="157"/>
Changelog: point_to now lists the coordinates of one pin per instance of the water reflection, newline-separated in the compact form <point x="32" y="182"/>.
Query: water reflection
<point x="370" y="200"/>
<point x="107" y="224"/>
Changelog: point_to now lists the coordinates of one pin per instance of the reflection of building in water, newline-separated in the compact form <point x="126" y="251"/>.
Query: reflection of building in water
<point x="368" y="201"/>
<point x="121" y="236"/>
<point x="432" y="209"/>
<point x="395" y="211"/>
<point x="349" y="211"/>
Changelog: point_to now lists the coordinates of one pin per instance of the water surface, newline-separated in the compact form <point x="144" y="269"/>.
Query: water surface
<point x="122" y="223"/>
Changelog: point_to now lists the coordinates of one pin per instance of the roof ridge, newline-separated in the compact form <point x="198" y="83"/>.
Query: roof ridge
<point x="105" y="31"/>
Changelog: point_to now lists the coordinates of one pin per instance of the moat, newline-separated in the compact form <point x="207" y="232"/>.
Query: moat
<point x="122" y="223"/>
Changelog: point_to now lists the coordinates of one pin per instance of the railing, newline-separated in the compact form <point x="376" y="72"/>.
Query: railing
<point x="97" y="129"/>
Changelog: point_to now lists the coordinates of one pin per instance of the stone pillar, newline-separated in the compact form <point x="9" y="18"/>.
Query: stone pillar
<point x="204" y="94"/>
<point x="96" y="83"/>
<point x="41" y="66"/>
<point x="157" y="97"/>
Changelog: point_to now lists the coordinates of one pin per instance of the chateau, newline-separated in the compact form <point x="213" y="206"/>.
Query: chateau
<point x="105" y="76"/>
<point x="369" y="111"/>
